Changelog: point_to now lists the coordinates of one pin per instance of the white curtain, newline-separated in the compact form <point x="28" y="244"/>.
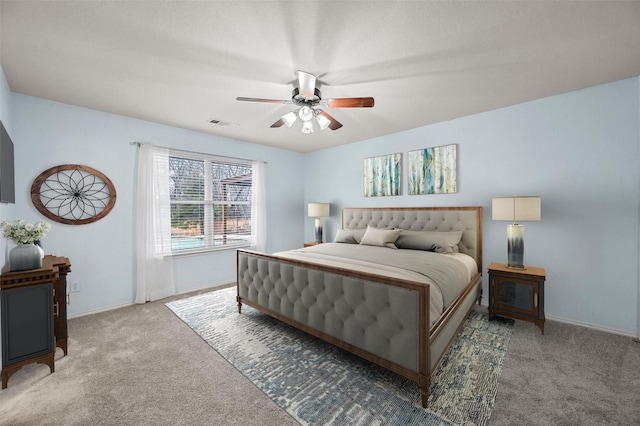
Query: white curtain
<point x="258" y="207"/>
<point x="153" y="226"/>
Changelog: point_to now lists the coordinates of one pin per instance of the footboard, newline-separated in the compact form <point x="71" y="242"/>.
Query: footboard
<point x="377" y="318"/>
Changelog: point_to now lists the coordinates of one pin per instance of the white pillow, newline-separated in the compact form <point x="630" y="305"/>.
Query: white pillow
<point x="349" y="236"/>
<point x="381" y="237"/>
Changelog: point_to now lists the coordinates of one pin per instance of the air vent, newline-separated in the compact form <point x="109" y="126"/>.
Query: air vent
<point x="221" y="123"/>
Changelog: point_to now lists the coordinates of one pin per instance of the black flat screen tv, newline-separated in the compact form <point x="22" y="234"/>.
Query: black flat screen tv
<point x="7" y="179"/>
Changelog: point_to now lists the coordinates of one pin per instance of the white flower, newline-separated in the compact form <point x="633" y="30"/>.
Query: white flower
<point x="19" y="232"/>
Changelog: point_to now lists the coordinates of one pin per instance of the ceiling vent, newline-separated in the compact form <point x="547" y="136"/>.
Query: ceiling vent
<point x="221" y="123"/>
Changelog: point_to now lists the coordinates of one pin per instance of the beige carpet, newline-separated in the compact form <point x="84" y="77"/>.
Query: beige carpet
<point x="141" y="365"/>
<point x="570" y="376"/>
<point x="138" y="365"/>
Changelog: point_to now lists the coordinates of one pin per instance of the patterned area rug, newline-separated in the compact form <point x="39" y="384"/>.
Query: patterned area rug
<point x="319" y="384"/>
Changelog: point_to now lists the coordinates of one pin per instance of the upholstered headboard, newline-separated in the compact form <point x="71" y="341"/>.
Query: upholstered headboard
<point x="467" y="219"/>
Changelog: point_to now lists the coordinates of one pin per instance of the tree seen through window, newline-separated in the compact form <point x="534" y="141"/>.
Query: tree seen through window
<point x="210" y="202"/>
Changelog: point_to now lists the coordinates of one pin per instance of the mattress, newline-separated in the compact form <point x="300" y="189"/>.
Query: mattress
<point x="447" y="274"/>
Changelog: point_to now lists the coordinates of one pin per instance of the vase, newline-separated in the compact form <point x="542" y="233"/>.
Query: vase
<point x="37" y="244"/>
<point x="24" y="257"/>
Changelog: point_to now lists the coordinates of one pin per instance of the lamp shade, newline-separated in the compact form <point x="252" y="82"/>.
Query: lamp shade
<point x="289" y="118"/>
<point x="323" y="121"/>
<point x="318" y="209"/>
<point x="516" y="209"/>
<point x="307" y="127"/>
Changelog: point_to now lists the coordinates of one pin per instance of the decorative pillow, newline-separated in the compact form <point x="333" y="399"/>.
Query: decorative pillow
<point x="381" y="237"/>
<point x="440" y="242"/>
<point x="349" y="236"/>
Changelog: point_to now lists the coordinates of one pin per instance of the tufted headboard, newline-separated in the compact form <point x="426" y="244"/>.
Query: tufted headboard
<point x="467" y="219"/>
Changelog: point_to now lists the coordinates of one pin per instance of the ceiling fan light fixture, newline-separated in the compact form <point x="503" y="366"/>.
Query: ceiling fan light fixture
<point x="307" y="127"/>
<point x="289" y="118"/>
<point x="306" y="97"/>
<point x="305" y="113"/>
<point x="323" y="121"/>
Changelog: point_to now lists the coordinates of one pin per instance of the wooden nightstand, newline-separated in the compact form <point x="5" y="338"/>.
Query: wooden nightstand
<point x="311" y="243"/>
<point x="517" y="293"/>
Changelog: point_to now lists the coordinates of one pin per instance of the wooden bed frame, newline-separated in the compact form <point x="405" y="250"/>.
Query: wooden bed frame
<point x="261" y="277"/>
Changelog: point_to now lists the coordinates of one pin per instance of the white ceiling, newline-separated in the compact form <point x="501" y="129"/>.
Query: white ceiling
<point x="183" y="63"/>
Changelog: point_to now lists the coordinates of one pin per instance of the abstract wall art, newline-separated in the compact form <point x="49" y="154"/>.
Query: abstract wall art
<point x="382" y="175"/>
<point x="432" y="170"/>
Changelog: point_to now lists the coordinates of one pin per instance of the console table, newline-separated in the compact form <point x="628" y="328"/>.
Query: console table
<point x="34" y="315"/>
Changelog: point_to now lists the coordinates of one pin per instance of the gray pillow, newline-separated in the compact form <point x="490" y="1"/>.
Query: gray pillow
<point x="381" y="237"/>
<point x="349" y="236"/>
<point x="440" y="242"/>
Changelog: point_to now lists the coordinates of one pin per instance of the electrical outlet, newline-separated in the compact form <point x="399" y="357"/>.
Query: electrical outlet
<point x="75" y="287"/>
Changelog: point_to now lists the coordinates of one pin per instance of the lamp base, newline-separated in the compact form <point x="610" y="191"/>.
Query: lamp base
<point x="515" y="246"/>
<point x="516" y="267"/>
<point x="318" y="230"/>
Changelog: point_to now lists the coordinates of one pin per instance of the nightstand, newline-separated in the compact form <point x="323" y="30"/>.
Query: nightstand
<point x="311" y="243"/>
<point x="517" y="293"/>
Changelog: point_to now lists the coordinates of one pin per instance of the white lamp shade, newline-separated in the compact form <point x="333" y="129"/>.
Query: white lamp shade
<point x="516" y="209"/>
<point x="307" y="127"/>
<point x="305" y="113"/>
<point x="323" y="121"/>
<point x="318" y="209"/>
<point x="289" y="118"/>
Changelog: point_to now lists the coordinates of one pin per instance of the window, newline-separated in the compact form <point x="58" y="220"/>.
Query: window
<point x="210" y="200"/>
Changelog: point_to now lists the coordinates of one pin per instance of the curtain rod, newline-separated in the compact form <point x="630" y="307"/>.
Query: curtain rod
<point x="192" y="152"/>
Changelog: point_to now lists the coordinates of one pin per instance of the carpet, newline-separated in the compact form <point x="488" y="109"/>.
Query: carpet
<point x="320" y="384"/>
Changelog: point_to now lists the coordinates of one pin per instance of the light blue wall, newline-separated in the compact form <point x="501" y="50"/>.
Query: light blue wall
<point x="579" y="151"/>
<point x="48" y="134"/>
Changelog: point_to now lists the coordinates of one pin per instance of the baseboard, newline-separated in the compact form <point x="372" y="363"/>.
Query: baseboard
<point x="217" y="286"/>
<point x="585" y="325"/>
<point x="591" y="326"/>
<point x="97" y="311"/>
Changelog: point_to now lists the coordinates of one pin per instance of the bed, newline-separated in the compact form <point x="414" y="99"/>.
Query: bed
<point x="394" y="287"/>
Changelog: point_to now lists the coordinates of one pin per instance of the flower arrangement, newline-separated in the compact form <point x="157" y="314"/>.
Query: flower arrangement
<point x="20" y="232"/>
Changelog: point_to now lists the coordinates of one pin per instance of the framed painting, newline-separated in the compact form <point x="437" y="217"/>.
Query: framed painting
<point x="382" y="175"/>
<point x="432" y="170"/>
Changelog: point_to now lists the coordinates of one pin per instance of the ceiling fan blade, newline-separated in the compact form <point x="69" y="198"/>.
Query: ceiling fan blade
<point x="278" y="123"/>
<point x="306" y="84"/>
<point x="270" y="101"/>
<point x="335" y="124"/>
<point x="349" y="102"/>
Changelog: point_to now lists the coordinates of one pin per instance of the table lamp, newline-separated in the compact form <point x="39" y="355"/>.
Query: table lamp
<point x="516" y="209"/>
<point x="318" y="210"/>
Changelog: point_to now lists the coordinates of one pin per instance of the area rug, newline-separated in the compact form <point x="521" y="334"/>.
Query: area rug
<point x="319" y="384"/>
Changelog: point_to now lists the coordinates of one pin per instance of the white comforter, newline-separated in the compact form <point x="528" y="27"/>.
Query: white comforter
<point x="448" y="274"/>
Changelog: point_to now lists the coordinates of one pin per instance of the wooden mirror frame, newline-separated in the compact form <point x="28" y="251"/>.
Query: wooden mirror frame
<point x="75" y="193"/>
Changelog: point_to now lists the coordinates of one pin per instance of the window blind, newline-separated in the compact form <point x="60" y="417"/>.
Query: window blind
<point x="210" y="201"/>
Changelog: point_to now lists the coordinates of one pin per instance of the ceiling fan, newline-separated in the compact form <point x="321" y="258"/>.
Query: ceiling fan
<point x="308" y="100"/>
